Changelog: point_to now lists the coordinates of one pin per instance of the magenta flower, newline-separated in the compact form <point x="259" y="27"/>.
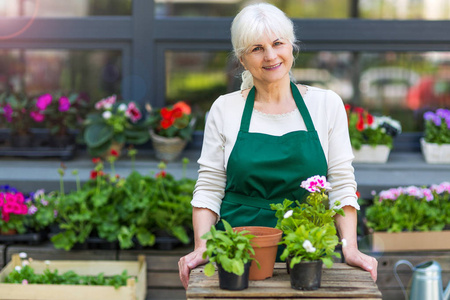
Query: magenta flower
<point x="37" y="116"/>
<point x="43" y="101"/>
<point x="316" y="184"/>
<point x="8" y="112"/>
<point x="133" y="112"/>
<point x="64" y="104"/>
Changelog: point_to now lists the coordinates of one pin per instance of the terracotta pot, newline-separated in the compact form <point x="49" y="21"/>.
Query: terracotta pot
<point x="265" y="244"/>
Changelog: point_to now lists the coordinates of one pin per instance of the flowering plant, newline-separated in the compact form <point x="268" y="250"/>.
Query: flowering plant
<point x="172" y="121"/>
<point x="365" y="128"/>
<point x="437" y="126"/>
<point x="13" y="210"/>
<point x="309" y="230"/>
<point x="114" y="122"/>
<point x="59" y="113"/>
<point x="16" y="113"/>
<point x="410" y="208"/>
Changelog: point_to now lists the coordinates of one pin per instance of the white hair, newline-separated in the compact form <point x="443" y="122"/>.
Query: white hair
<point x="251" y="24"/>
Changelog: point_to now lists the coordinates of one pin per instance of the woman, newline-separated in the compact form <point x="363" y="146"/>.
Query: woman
<point x="262" y="141"/>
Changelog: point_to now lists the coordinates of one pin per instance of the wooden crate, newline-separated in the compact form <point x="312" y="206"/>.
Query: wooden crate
<point x="388" y="284"/>
<point x="134" y="290"/>
<point x="410" y="241"/>
<point x="163" y="281"/>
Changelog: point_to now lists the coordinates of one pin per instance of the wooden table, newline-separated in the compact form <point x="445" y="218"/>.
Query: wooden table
<point x="339" y="282"/>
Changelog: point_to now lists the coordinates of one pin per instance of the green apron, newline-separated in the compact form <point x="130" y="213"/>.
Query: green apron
<point x="264" y="169"/>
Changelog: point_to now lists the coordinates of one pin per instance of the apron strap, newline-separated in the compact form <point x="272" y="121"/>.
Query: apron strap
<point x="249" y="103"/>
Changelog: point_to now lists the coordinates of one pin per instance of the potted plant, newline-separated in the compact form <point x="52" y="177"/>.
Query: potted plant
<point x="410" y="218"/>
<point x="436" y="141"/>
<point x="16" y="113"/>
<point x="13" y="211"/>
<point x="310" y="234"/>
<point x="112" y="125"/>
<point x="171" y="128"/>
<point x="59" y="114"/>
<point x="232" y="251"/>
<point x="371" y="136"/>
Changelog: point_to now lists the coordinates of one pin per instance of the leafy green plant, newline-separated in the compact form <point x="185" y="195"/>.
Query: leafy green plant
<point x="437" y="126"/>
<point x="364" y="128"/>
<point x="15" y="112"/>
<point x="309" y="230"/>
<point x="27" y="275"/>
<point x="229" y="248"/>
<point x="410" y="209"/>
<point x="114" y="122"/>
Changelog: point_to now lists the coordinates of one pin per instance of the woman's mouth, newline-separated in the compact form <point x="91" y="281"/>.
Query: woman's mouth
<point x="272" y="67"/>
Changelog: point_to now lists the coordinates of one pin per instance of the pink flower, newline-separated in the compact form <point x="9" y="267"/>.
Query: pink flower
<point x="24" y="281"/>
<point x="8" y="112"/>
<point x="32" y="210"/>
<point x="428" y="194"/>
<point x="37" y="116"/>
<point x="64" y="104"/>
<point x="44" y="101"/>
<point x="133" y="112"/>
<point x="316" y="184"/>
<point x="106" y="103"/>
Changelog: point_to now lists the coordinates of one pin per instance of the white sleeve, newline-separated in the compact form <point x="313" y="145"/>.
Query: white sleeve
<point x="340" y="155"/>
<point x="210" y="187"/>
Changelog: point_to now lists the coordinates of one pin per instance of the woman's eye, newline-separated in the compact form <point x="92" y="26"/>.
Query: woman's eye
<point x="256" y="49"/>
<point x="278" y="43"/>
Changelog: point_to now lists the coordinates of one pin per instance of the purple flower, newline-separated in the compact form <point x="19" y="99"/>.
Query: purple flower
<point x="437" y="120"/>
<point x="443" y="113"/>
<point x="43" y="101"/>
<point x="8" y="112"/>
<point x="447" y="120"/>
<point x="64" y="104"/>
<point x="32" y="210"/>
<point x="429" y="115"/>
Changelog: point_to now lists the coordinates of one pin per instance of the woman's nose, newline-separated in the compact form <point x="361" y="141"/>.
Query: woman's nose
<point x="270" y="53"/>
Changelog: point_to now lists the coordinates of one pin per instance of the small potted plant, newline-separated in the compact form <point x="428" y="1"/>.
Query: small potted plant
<point x="16" y="113"/>
<point x="310" y="234"/>
<point x="232" y="251"/>
<point x="112" y="125"/>
<point x="436" y="141"/>
<point x="59" y="114"/>
<point x="171" y="128"/>
<point x="371" y="136"/>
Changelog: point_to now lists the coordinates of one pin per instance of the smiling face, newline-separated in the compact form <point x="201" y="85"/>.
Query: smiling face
<point x="269" y="60"/>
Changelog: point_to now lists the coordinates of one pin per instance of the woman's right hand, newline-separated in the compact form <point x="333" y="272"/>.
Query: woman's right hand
<point x="189" y="262"/>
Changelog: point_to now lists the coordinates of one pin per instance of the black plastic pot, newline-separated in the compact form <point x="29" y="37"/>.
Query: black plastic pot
<point x="306" y="275"/>
<point x="231" y="281"/>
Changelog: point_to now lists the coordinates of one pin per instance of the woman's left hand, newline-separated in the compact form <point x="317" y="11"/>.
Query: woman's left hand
<point x="354" y="257"/>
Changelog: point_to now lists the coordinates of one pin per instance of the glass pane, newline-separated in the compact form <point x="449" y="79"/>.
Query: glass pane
<point x="94" y="73"/>
<point x="66" y="8"/>
<point x="400" y="85"/>
<point x="229" y="8"/>
<point x="405" y="9"/>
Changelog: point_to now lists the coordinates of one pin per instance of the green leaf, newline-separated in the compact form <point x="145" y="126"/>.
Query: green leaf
<point x="98" y="134"/>
<point x="209" y="270"/>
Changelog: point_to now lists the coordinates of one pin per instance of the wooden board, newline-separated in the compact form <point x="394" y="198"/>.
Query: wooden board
<point x="47" y="250"/>
<point x="132" y="291"/>
<point x="341" y="281"/>
<point x="411" y="241"/>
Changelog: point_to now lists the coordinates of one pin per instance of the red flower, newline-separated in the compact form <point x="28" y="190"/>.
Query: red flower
<point x="94" y="174"/>
<point x="161" y="174"/>
<point x="166" y="123"/>
<point x="358" y="194"/>
<point x="114" y="152"/>
<point x="185" y="108"/>
<point x="96" y="160"/>
<point x="166" y="113"/>
<point x="360" y="123"/>
<point x="369" y="119"/>
<point x="177" y="113"/>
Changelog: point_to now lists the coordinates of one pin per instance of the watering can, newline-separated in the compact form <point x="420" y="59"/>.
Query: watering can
<point x="426" y="281"/>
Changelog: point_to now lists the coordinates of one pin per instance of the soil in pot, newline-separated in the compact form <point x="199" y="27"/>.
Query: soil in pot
<point x="265" y="244"/>
<point x="231" y="281"/>
<point x="306" y="275"/>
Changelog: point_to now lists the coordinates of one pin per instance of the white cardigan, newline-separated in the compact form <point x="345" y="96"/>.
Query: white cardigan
<point x="223" y="122"/>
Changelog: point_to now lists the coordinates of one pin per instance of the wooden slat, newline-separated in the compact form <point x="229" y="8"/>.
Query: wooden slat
<point x="47" y="251"/>
<point x="341" y="281"/>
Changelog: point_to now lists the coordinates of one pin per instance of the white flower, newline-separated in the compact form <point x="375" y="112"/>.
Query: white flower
<point x="25" y="263"/>
<point x="47" y="262"/>
<point x="308" y="246"/>
<point x="18" y="268"/>
<point x="106" y="115"/>
<point x="22" y="255"/>
<point x="344" y="243"/>
<point x="122" y="107"/>
<point x="288" y="214"/>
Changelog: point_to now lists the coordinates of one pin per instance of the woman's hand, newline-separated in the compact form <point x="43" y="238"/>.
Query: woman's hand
<point x="354" y="257"/>
<point x="189" y="262"/>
